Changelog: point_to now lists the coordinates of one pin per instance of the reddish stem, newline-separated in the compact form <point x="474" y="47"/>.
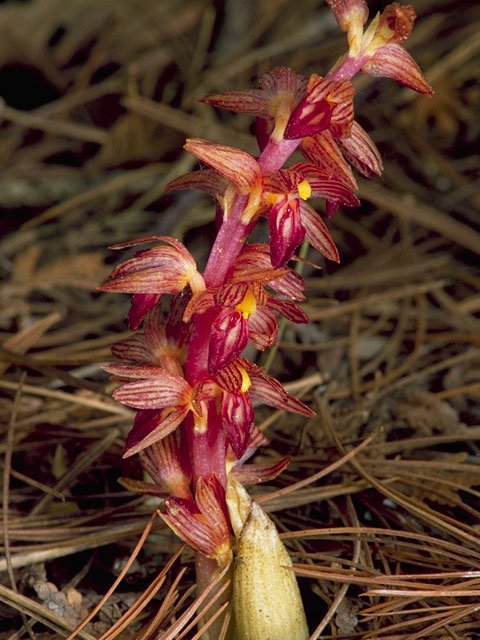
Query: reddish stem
<point x="230" y="238"/>
<point x="208" y="448"/>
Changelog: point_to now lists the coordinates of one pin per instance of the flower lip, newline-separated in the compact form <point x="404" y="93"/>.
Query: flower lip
<point x="328" y="104"/>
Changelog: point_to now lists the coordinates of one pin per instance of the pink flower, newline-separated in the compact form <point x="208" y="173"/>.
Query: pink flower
<point x="238" y="174"/>
<point x="156" y="345"/>
<point x="166" y="462"/>
<point x="291" y="217"/>
<point x="272" y="103"/>
<point x="202" y="523"/>
<point x="378" y="51"/>
<point x="165" y="399"/>
<point x="153" y="272"/>
<point x="244" y="309"/>
<point x="283" y="193"/>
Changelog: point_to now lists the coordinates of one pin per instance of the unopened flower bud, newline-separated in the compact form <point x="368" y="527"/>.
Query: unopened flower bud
<point x="266" y="598"/>
<point x="351" y="15"/>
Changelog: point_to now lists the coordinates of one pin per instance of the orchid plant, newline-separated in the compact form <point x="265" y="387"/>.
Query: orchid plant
<point x="195" y="427"/>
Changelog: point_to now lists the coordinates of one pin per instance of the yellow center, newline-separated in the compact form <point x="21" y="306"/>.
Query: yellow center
<point x="248" y="305"/>
<point x="304" y="190"/>
<point x="246" y="382"/>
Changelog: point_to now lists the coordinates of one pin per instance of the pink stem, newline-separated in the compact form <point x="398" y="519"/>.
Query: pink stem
<point x="347" y="68"/>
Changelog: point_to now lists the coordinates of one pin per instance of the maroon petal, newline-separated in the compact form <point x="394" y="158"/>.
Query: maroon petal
<point x="210" y="498"/>
<point x="257" y="256"/>
<point x="206" y="180"/>
<point x="279" y="92"/>
<point x="231" y="377"/>
<point x="283" y="80"/>
<point x="231" y="294"/>
<point x="254" y="102"/>
<point x="146" y="370"/>
<point x="228" y="338"/>
<point x="148" y="281"/>
<point x="176" y="329"/>
<point x="237" y="421"/>
<point x="288" y="309"/>
<point x="203" y="525"/>
<point x="328" y="104"/>
<point x="361" y="151"/>
<point x="166" y="389"/>
<point x="140" y="305"/>
<point x="155" y="334"/>
<point x="286" y="231"/>
<point x="253" y="264"/>
<point x="291" y="285"/>
<point x="308" y="120"/>
<point x="166" y="462"/>
<point x="183" y="517"/>
<point x="162" y="269"/>
<point x="234" y="164"/>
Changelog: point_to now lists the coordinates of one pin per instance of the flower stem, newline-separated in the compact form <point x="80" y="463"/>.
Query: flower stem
<point x="230" y="239"/>
<point x="206" y="569"/>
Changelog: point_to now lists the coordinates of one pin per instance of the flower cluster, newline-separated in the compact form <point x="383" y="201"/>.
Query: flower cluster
<point x="183" y="369"/>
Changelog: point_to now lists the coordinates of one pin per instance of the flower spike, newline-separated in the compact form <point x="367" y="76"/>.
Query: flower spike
<point x="184" y="371"/>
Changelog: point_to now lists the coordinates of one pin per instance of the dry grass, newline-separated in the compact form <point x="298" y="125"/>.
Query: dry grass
<point x="380" y="506"/>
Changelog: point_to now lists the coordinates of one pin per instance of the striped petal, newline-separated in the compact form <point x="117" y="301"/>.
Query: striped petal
<point x="255" y="473"/>
<point x="237" y="421"/>
<point x="361" y="152"/>
<point x="328" y="104"/>
<point x="286" y="230"/>
<point x="151" y="426"/>
<point x="393" y="61"/>
<point x="270" y="392"/>
<point x="206" y="180"/>
<point x="263" y="328"/>
<point x="134" y="348"/>
<point x="234" y="164"/>
<point x="317" y="233"/>
<point x="322" y="151"/>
